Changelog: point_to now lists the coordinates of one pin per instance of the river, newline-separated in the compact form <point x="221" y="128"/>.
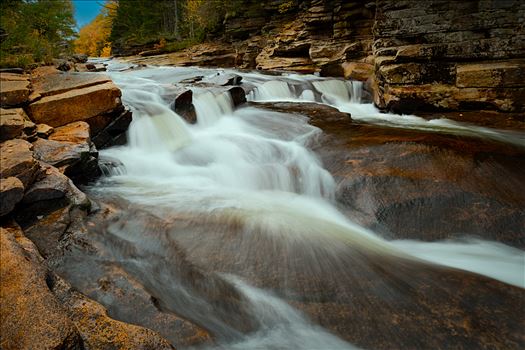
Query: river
<point x="238" y="223"/>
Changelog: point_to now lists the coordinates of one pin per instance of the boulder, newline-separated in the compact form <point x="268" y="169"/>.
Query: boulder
<point x="182" y="103"/>
<point x="69" y="148"/>
<point x="30" y="314"/>
<point x="14" y="92"/>
<point x="75" y="104"/>
<point x="62" y="65"/>
<point x="110" y="129"/>
<point x="11" y="192"/>
<point x="79" y="58"/>
<point x="17" y="160"/>
<point x="225" y="79"/>
<point x="11" y="124"/>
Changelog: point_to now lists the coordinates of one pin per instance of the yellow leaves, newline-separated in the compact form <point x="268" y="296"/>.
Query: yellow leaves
<point x="93" y="37"/>
<point x="106" y="51"/>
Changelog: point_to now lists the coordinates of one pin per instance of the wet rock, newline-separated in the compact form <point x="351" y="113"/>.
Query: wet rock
<point x="52" y="314"/>
<point x="11" y="192"/>
<point x="192" y="80"/>
<point x="30" y="314"/>
<point x="95" y="67"/>
<point x="98" y="330"/>
<point x="11" y="124"/>
<point x="181" y="102"/>
<point x="73" y="98"/>
<point x="225" y="79"/>
<point x="316" y="112"/>
<point x="62" y="65"/>
<point x="123" y="295"/>
<point x="238" y="95"/>
<point x="17" y="160"/>
<point x="110" y="129"/>
<point x="79" y="58"/>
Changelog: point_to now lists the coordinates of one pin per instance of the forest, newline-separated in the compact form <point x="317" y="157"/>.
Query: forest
<point x="35" y="31"/>
<point x="38" y="31"/>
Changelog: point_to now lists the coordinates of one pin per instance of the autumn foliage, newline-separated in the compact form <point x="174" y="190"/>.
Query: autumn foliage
<point x="93" y="38"/>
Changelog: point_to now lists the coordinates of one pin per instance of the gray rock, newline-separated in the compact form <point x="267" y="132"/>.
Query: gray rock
<point x="11" y="192"/>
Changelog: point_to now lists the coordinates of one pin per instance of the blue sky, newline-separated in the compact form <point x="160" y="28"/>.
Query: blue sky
<point x="86" y="10"/>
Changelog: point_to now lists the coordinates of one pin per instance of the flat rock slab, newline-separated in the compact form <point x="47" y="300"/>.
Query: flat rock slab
<point x="54" y="84"/>
<point x="75" y="105"/>
<point x="11" y="124"/>
<point x="59" y="153"/>
<point x="11" y="192"/>
<point x="17" y="160"/>
<point x="13" y="77"/>
<point x="14" y="92"/>
<point x="77" y="132"/>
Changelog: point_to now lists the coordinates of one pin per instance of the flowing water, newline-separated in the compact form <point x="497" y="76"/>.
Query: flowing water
<point x="246" y="199"/>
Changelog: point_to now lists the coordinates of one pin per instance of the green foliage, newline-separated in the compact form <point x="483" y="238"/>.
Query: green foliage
<point x="35" y="31"/>
<point x="180" y="22"/>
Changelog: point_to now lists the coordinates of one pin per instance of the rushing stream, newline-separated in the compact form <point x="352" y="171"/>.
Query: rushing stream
<point x="244" y="198"/>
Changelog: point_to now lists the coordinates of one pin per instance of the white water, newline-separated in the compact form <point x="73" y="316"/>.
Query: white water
<point x="254" y="165"/>
<point x="346" y="96"/>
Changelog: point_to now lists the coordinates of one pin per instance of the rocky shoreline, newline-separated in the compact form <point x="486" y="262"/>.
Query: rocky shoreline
<point x="51" y="124"/>
<point x="415" y="56"/>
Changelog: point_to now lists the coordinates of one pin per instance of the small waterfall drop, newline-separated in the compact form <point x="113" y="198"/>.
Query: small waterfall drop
<point x="210" y="107"/>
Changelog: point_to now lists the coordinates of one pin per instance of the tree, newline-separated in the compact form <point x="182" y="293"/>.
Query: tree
<point x="35" y="30"/>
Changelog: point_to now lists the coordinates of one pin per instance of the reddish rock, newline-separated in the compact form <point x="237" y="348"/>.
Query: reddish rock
<point x="17" y="160"/>
<point x="30" y="314"/>
<point x="14" y="92"/>
<point x="75" y="105"/>
<point x="11" y="124"/>
<point x="54" y="84"/>
<point x="43" y="130"/>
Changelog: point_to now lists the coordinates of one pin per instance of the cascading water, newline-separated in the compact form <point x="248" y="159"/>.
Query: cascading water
<point x="250" y="170"/>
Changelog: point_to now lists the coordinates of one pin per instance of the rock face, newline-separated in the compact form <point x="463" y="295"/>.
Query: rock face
<point x="423" y="56"/>
<point x="444" y="55"/>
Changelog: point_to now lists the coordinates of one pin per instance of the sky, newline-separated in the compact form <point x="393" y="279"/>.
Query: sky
<point x="86" y="11"/>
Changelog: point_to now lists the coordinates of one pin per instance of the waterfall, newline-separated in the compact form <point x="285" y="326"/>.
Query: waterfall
<point x="251" y="170"/>
<point x="210" y="107"/>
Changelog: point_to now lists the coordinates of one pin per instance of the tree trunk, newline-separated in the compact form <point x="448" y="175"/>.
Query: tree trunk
<point x="176" y="25"/>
